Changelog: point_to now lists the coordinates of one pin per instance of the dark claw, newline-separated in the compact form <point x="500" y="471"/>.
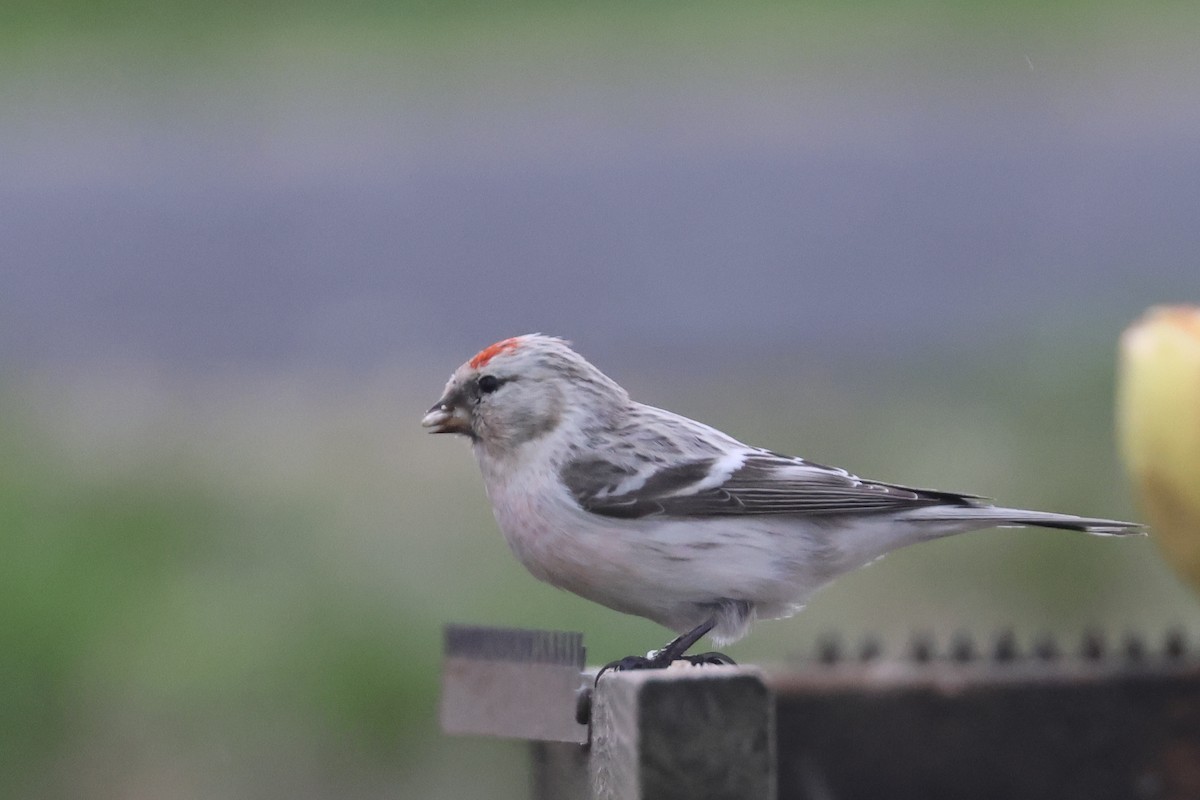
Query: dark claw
<point x="715" y="659"/>
<point x="674" y="651"/>
<point x="662" y="661"/>
<point x="628" y="663"/>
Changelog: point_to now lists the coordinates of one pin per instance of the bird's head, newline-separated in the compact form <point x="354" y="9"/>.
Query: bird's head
<point x="521" y="389"/>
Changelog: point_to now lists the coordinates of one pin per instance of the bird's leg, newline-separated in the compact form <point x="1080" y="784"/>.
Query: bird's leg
<point x="672" y="652"/>
<point x="682" y="643"/>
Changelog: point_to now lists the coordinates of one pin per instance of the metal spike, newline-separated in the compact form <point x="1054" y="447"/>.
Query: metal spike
<point x="870" y="649"/>
<point x="921" y="648"/>
<point x="1045" y="647"/>
<point x="1005" y="647"/>
<point x="829" y="648"/>
<point x="962" y="647"/>
<point x="1134" y="647"/>
<point x="1093" y="645"/>
<point x="1176" y="644"/>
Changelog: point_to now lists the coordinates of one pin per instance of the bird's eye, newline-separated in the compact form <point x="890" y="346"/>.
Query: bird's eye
<point x="489" y="384"/>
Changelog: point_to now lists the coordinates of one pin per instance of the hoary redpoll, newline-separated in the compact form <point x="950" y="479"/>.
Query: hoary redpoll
<point x="655" y="514"/>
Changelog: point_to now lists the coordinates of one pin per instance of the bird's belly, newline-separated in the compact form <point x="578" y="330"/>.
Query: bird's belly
<point x="662" y="570"/>
<point x="562" y="549"/>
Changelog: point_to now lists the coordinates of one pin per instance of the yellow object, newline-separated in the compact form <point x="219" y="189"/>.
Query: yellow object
<point x="1158" y="422"/>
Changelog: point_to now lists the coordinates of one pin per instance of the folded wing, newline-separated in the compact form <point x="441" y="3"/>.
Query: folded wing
<point x="751" y="482"/>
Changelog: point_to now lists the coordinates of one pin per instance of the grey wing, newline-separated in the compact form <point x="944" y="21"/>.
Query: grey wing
<point x="751" y="482"/>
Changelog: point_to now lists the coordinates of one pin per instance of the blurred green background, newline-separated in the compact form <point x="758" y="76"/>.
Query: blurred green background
<point x="246" y="243"/>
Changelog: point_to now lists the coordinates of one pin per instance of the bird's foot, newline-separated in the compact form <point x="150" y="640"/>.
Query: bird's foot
<point x="668" y="655"/>
<point x="652" y="660"/>
<point x="661" y="659"/>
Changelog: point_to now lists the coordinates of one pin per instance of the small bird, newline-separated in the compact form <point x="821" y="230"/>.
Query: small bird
<point x="651" y="513"/>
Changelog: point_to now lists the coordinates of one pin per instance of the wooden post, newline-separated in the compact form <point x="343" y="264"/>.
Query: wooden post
<point x="697" y="733"/>
<point x="560" y="771"/>
<point x="700" y="733"/>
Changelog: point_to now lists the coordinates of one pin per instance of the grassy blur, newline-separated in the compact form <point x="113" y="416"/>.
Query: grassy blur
<point x="235" y="587"/>
<point x="706" y="38"/>
<point x="27" y="17"/>
<point x="159" y="603"/>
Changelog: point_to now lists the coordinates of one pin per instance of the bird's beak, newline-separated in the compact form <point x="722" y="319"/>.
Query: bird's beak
<point x="446" y="417"/>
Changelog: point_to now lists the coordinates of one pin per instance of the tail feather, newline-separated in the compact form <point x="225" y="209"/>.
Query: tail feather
<point x="983" y="516"/>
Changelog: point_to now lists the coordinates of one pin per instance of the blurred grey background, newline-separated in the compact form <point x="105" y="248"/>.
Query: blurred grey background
<point x="243" y="245"/>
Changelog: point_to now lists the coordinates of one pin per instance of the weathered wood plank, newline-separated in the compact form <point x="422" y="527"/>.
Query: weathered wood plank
<point x="1065" y="730"/>
<point x="704" y="733"/>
